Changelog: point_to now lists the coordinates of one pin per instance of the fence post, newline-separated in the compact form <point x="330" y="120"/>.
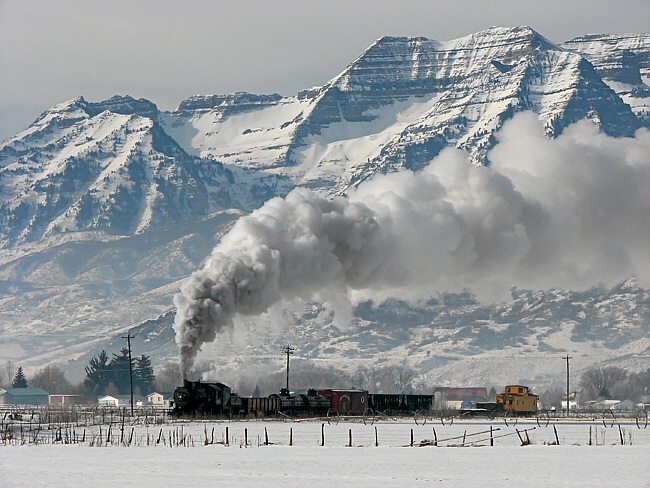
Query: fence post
<point x="266" y="437"/>
<point x="227" y="440"/>
<point x="411" y="437"/>
<point x="491" y="437"/>
<point x="291" y="436"/>
<point x="322" y="434"/>
<point x="376" y="438"/>
<point x="350" y="433"/>
<point x="246" y="437"/>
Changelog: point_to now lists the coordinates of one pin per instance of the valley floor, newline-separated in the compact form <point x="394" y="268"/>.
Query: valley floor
<point x="393" y="463"/>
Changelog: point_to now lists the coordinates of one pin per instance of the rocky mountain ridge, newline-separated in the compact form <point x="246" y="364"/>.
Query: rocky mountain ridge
<point x="105" y="207"/>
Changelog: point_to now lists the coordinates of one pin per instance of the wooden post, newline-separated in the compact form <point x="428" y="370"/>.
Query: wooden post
<point x="464" y="435"/>
<point x="590" y="435"/>
<point x="376" y="438"/>
<point x="620" y="433"/>
<point x="350" y="434"/>
<point x="519" y="435"/>
<point x="411" y="437"/>
<point x="291" y="436"/>
<point x="557" y="440"/>
<point x="322" y="434"/>
<point x="435" y="437"/>
<point x="266" y="437"/>
<point x="245" y="437"/>
<point x="227" y="440"/>
<point x="491" y="437"/>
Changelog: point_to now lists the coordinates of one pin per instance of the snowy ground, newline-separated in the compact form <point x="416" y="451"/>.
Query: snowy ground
<point x="393" y="463"/>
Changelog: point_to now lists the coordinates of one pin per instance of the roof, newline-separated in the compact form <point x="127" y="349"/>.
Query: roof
<point x="22" y="392"/>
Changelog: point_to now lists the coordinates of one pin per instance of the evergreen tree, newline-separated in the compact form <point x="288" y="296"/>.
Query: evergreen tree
<point x="120" y="368"/>
<point x="143" y="375"/>
<point x="97" y="374"/>
<point x="19" y="380"/>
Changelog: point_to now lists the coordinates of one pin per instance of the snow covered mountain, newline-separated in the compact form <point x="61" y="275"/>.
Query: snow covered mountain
<point x="105" y="207"/>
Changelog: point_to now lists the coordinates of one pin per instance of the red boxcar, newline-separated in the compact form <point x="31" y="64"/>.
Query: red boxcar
<point x="347" y="402"/>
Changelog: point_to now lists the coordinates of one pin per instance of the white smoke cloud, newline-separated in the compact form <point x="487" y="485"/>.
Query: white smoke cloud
<point x="570" y="212"/>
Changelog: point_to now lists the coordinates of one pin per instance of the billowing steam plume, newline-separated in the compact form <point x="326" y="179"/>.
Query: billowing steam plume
<point x="570" y="212"/>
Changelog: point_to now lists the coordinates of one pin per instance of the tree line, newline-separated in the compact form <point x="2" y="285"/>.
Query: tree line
<point x="104" y="376"/>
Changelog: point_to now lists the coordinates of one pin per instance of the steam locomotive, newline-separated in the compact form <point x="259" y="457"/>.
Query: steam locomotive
<point x="199" y="399"/>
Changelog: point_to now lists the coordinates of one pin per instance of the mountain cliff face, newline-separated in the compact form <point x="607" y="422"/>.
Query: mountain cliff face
<point x="105" y="207"/>
<point x="623" y="61"/>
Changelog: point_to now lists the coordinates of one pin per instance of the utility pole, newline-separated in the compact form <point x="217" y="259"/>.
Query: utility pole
<point x="288" y="351"/>
<point x="567" y="357"/>
<point x="128" y="341"/>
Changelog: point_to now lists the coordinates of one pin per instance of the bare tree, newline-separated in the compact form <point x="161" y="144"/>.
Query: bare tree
<point x="7" y="374"/>
<point x="604" y="382"/>
<point x="51" y="379"/>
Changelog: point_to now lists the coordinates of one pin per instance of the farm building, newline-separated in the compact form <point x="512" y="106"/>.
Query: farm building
<point x="23" y="396"/>
<point x="119" y="400"/>
<point x="457" y="398"/>
<point x="66" y="400"/>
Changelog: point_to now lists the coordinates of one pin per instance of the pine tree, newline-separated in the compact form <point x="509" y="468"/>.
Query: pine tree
<point x="120" y="368"/>
<point x="19" y="380"/>
<point x="97" y="374"/>
<point x="143" y="375"/>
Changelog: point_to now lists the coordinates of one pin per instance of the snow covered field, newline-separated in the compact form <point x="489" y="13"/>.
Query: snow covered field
<point x="393" y="463"/>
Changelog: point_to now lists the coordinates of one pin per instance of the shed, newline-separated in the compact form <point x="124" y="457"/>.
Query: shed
<point x="24" y="396"/>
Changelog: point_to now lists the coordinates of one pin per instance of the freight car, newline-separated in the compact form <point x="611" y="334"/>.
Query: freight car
<point x="400" y="404"/>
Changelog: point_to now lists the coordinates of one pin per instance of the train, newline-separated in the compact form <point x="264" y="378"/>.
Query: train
<point x="202" y="399"/>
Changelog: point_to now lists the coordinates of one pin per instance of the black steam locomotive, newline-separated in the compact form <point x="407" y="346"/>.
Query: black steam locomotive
<point x="198" y="399"/>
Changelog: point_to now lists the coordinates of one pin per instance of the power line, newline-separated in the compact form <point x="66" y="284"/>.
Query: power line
<point x="567" y="357"/>
<point x="128" y="341"/>
<point x="288" y="350"/>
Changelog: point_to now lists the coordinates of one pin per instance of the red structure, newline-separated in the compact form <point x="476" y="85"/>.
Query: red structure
<point x="347" y="402"/>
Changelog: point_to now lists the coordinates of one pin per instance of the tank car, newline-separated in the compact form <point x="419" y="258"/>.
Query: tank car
<point x="310" y="403"/>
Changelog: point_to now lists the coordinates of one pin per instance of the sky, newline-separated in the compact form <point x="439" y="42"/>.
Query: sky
<point x="166" y="51"/>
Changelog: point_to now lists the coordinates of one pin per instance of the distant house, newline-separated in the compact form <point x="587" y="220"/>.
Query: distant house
<point x="119" y="400"/>
<point x="456" y="398"/>
<point x="156" y="399"/>
<point x="23" y="396"/>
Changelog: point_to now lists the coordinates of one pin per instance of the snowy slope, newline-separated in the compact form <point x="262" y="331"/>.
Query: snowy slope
<point x="624" y="63"/>
<point x="105" y="207"/>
